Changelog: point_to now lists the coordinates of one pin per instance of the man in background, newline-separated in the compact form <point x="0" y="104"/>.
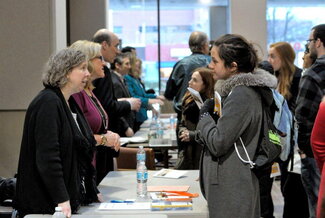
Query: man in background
<point x="311" y="91"/>
<point x="121" y="67"/>
<point x="104" y="90"/>
<point x="177" y="83"/>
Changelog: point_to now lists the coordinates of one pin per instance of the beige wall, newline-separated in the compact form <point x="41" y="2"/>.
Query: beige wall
<point x="86" y="18"/>
<point x="27" y="38"/>
<point x="25" y="42"/>
<point x="11" y="126"/>
<point x="248" y="18"/>
<point x="30" y="32"/>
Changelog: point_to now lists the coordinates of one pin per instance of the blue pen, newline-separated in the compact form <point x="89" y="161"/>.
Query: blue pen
<point x="121" y="201"/>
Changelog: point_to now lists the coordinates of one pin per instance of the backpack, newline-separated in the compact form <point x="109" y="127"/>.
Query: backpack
<point x="269" y="147"/>
<point x="283" y="121"/>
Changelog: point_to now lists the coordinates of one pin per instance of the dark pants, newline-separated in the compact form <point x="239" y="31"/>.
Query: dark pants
<point x="266" y="201"/>
<point x="295" y="198"/>
<point x="310" y="179"/>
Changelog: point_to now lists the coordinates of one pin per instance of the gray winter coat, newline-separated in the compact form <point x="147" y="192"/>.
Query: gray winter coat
<point x="229" y="185"/>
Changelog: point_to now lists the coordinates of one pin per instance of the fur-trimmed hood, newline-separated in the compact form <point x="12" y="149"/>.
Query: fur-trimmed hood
<point x="258" y="78"/>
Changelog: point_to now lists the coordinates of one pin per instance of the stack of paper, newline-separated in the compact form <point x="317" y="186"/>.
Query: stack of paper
<point x="169" y="173"/>
<point x="171" y="205"/>
<point x="172" y="200"/>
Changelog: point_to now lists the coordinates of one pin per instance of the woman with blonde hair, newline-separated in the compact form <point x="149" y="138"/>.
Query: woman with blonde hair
<point x="282" y="57"/>
<point x="137" y="90"/>
<point x="108" y="142"/>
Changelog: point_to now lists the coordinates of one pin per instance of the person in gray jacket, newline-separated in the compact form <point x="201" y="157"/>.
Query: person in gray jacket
<point x="229" y="185"/>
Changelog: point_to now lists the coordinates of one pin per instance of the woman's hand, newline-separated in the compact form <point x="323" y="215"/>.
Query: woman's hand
<point x="207" y="107"/>
<point x="323" y="99"/>
<point x="155" y="113"/>
<point x="66" y="209"/>
<point x="185" y="136"/>
<point x="129" y="132"/>
<point x="100" y="197"/>
<point x="113" y="140"/>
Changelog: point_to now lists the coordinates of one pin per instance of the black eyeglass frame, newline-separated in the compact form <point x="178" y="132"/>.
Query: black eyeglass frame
<point x="100" y="58"/>
<point x="310" y="40"/>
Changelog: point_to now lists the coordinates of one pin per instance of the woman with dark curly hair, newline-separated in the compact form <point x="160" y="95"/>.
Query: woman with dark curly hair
<point x="228" y="183"/>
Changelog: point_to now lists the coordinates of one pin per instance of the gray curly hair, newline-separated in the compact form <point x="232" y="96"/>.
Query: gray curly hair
<point x="59" y="65"/>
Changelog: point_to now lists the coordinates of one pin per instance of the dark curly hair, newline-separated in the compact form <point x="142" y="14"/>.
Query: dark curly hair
<point x="235" y="48"/>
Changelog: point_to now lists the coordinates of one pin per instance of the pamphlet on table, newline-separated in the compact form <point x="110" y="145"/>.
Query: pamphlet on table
<point x="170" y="173"/>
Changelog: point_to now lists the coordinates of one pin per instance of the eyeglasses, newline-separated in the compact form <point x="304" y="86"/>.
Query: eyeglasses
<point x="310" y="40"/>
<point x="100" y="58"/>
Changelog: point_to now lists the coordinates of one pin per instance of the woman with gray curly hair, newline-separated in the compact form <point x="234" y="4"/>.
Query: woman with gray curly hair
<point x="55" y="167"/>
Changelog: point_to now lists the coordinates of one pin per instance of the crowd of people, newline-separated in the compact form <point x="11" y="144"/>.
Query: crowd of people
<point x="93" y="95"/>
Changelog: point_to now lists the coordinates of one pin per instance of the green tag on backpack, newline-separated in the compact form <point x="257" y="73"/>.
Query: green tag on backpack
<point x="274" y="138"/>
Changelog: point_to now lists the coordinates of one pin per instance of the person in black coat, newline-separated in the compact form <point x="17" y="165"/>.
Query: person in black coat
<point x="104" y="90"/>
<point x="55" y="167"/>
<point x="121" y="67"/>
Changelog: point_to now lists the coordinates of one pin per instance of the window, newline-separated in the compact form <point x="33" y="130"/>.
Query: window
<point x="136" y="23"/>
<point x="117" y="29"/>
<point x="291" y="21"/>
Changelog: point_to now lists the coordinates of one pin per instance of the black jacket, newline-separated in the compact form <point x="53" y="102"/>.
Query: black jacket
<point x="55" y="157"/>
<point x="311" y="91"/>
<point x="189" y="155"/>
<point x="294" y="89"/>
<point x="122" y="91"/>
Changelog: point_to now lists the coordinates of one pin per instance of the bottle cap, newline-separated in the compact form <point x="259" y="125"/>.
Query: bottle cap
<point x="141" y="146"/>
<point x="58" y="208"/>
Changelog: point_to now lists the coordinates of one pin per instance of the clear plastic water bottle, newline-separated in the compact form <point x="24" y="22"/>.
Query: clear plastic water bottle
<point x="141" y="154"/>
<point x="160" y="129"/>
<point x="58" y="213"/>
<point x="172" y="122"/>
<point x="152" y="134"/>
<point x="142" y="177"/>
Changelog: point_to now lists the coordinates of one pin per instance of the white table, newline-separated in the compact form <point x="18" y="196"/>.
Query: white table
<point x="121" y="185"/>
<point x="102" y="216"/>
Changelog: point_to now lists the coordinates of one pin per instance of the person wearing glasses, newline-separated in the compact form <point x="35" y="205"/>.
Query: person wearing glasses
<point x="308" y="59"/>
<point x="104" y="89"/>
<point x="318" y="145"/>
<point x="108" y="143"/>
<point x="311" y="91"/>
<point x="120" y="68"/>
